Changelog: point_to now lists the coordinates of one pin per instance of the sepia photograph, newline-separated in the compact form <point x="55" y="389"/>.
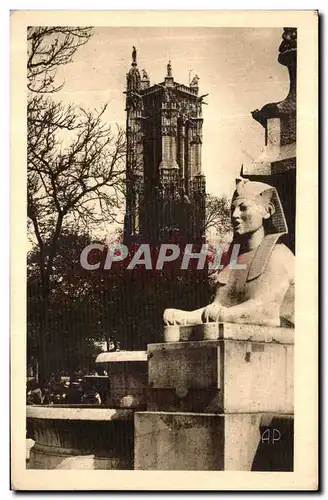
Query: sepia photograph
<point x="163" y="215"/>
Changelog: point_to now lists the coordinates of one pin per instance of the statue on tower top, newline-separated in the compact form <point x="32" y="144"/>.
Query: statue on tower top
<point x="133" y="76"/>
<point x="169" y="69"/>
<point x="145" y="74"/>
<point x="134" y="55"/>
<point x="194" y="81"/>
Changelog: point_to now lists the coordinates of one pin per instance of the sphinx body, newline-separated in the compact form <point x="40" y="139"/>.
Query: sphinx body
<point x="260" y="289"/>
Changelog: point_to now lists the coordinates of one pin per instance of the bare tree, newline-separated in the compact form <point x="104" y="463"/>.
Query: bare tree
<point x="217" y="215"/>
<point x="49" y="47"/>
<point x="75" y="161"/>
<point x="75" y="176"/>
<point x="75" y="166"/>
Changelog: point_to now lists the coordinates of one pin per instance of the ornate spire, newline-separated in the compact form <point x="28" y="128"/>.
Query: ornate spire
<point x="287" y="57"/>
<point x="288" y="46"/>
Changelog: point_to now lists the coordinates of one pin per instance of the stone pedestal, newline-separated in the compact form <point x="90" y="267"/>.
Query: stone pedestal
<point x="221" y="376"/>
<point x="195" y="441"/>
<point x="127" y="376"/>
<point x="207" y="399"/>
<point x="276" y="164"/>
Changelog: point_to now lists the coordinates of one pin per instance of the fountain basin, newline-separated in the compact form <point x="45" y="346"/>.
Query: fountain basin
<point x="80" y="437"/>
<point x="93" y="436"/>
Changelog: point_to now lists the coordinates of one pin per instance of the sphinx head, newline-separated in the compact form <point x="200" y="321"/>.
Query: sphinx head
<point x="255" y="205"/>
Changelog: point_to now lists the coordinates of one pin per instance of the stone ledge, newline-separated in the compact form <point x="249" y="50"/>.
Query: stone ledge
<point x="266" y="416"/>
<point x="232" y="331"/>
<point x="121" y="356"/>
<point x="69" y="413"/>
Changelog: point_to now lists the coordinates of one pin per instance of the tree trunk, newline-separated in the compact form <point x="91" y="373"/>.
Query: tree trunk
<point x="44" y="334"/>
<point x="45" y="330"/>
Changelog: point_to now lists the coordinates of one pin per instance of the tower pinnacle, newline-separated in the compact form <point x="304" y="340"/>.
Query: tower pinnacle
<point x="134" y="56"/>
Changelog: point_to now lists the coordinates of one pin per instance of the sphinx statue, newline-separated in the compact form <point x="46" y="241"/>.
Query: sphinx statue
<point x="259" y="290"/>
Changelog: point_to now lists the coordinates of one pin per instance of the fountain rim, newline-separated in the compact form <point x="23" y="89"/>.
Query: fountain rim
<point x="78" y="412"/>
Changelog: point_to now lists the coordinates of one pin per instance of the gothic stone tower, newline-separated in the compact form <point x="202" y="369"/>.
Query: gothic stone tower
<point x="165" y="186"/>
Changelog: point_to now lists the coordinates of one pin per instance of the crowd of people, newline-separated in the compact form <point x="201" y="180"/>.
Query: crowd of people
<point x="79" y="388"/>
<point x="76" y="389"/>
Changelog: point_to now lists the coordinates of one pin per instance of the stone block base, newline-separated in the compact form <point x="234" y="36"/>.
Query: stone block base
<point x="190" y="441"/>
<point x="221" y="376"/>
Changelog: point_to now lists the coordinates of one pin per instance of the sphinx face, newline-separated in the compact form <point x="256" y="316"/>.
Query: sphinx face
<point x="246" y="216"/>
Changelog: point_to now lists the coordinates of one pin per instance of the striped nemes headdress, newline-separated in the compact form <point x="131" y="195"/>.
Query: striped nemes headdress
<point x="264" y="194"/>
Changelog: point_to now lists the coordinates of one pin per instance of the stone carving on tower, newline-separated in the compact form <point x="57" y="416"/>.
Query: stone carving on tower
<point x="164" y="182"/>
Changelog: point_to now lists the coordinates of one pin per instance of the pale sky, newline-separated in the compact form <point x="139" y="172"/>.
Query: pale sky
<point x="237" y="67"/>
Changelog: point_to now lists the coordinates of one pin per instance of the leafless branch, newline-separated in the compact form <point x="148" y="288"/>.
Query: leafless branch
<point x="48" y="48"/>
<point x="75" y="167"/>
